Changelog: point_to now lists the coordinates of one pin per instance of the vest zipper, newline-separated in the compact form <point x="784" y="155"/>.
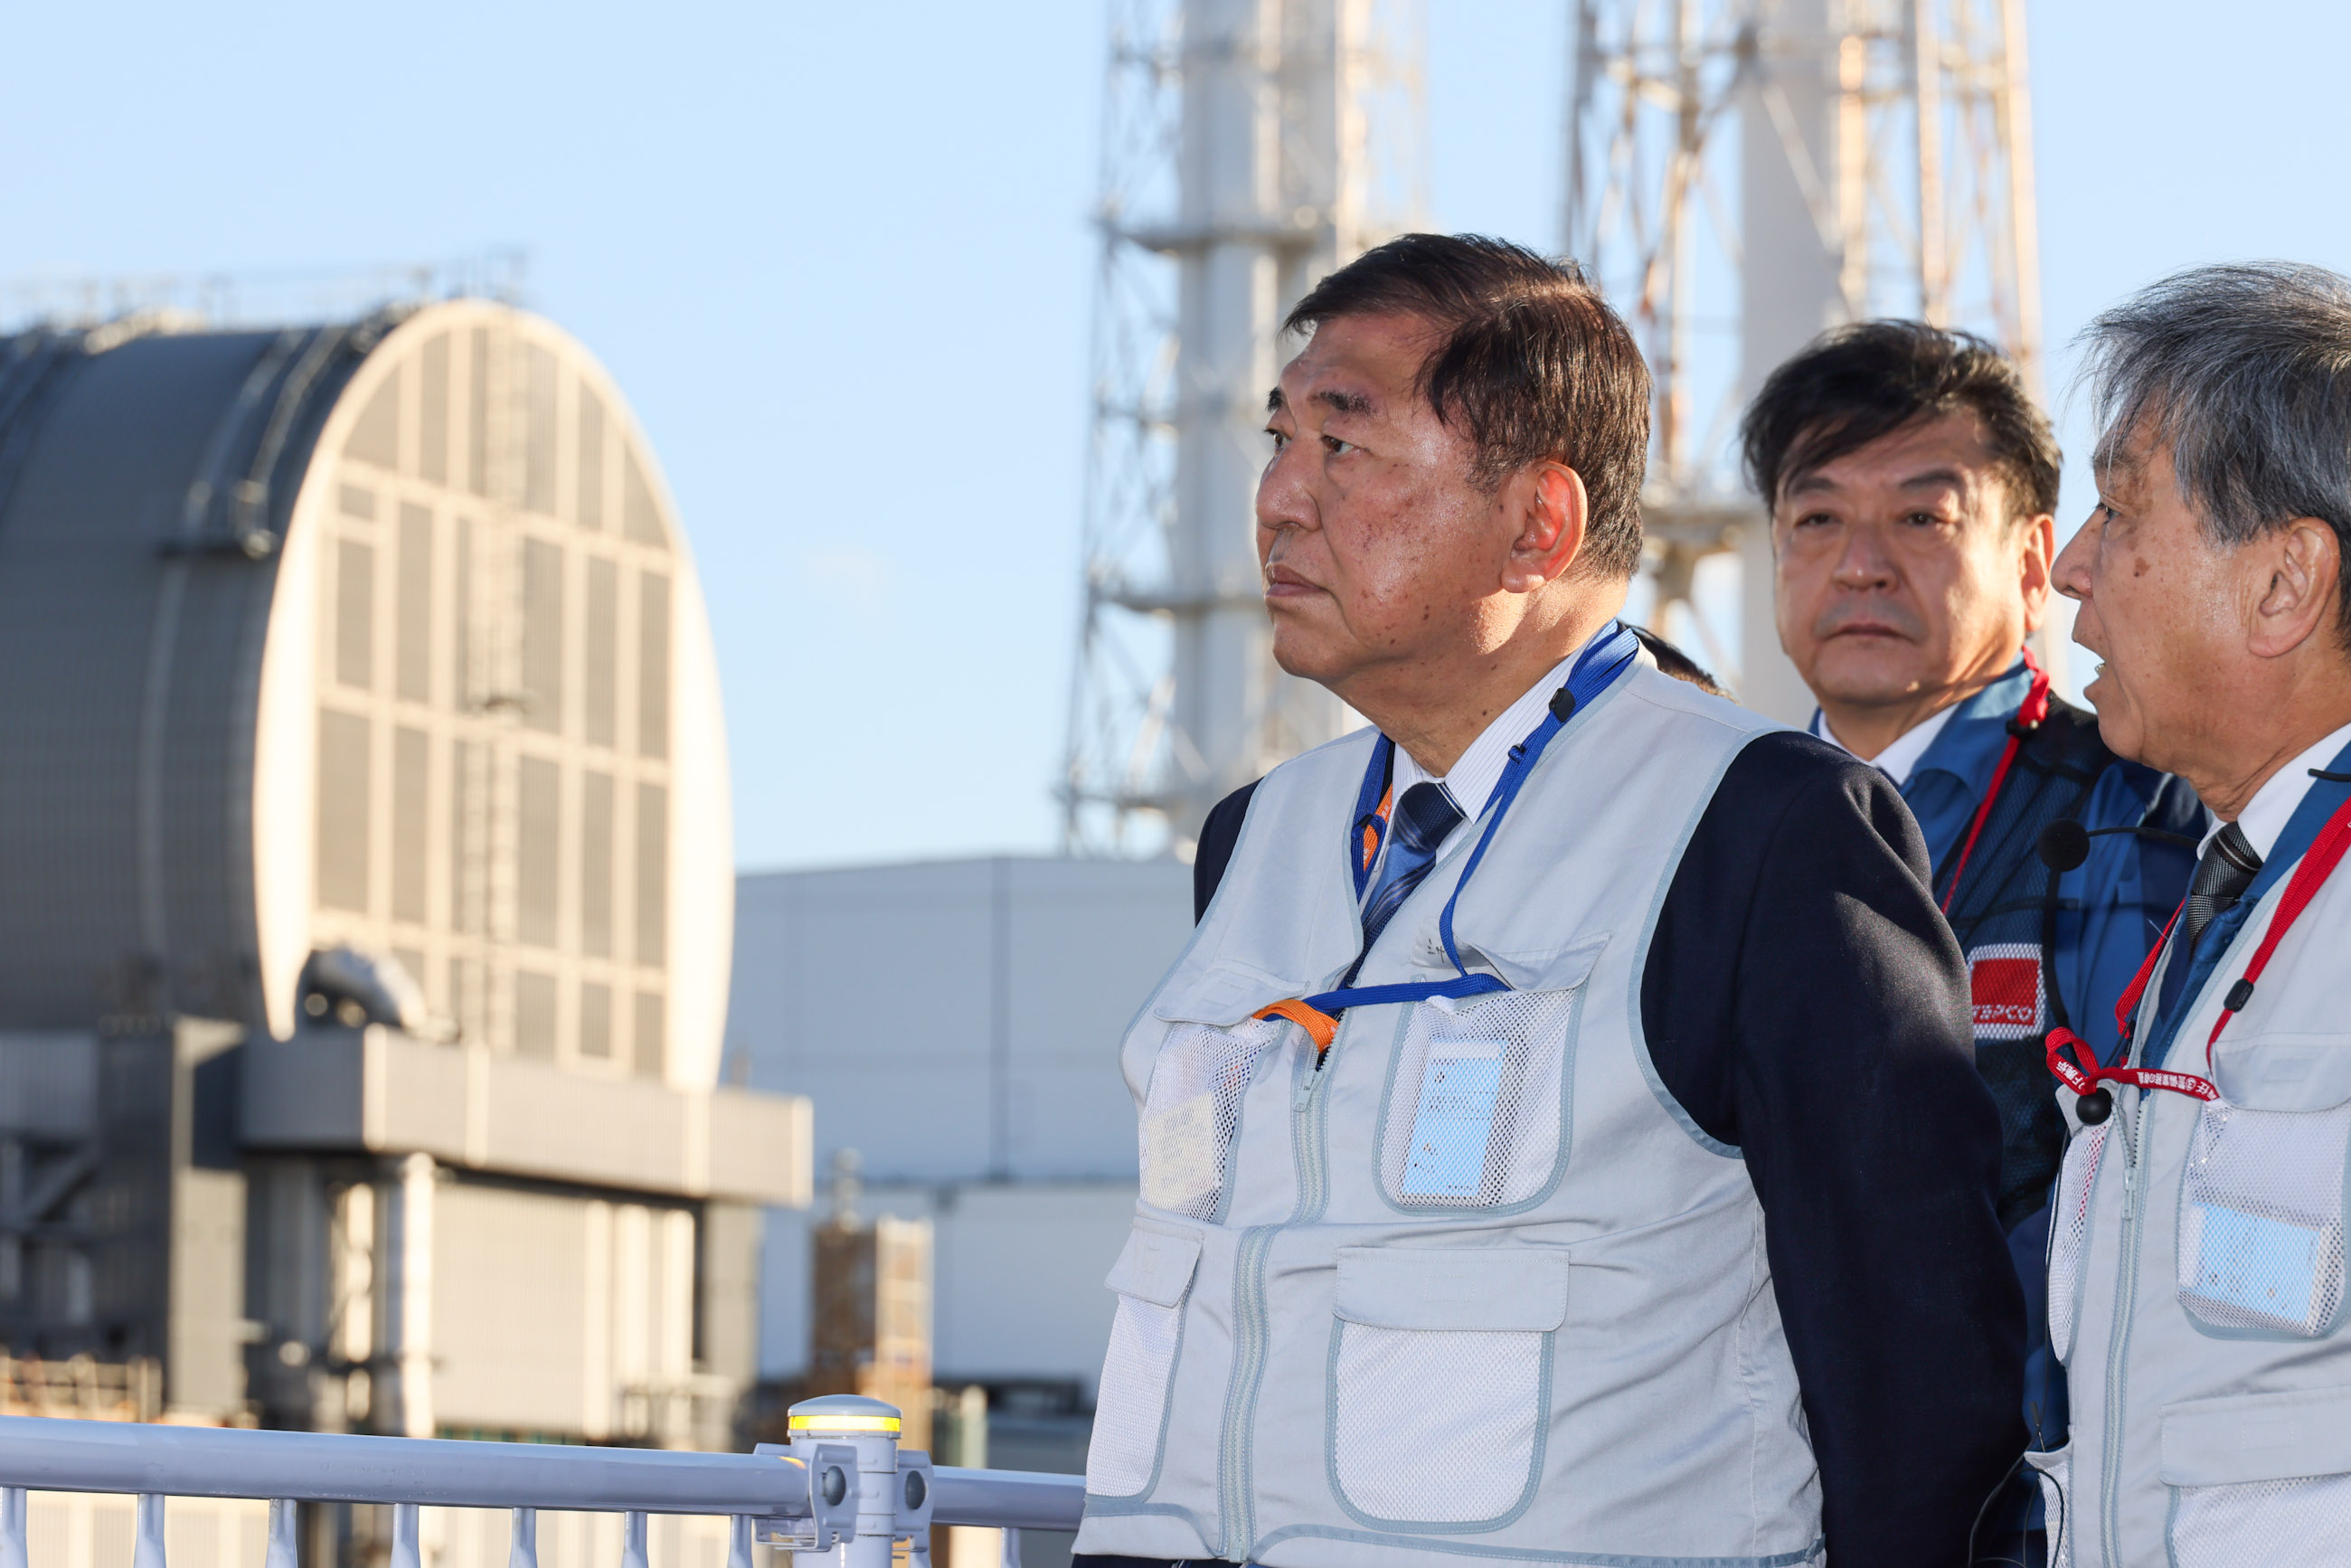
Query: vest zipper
<point x="1237" y="1459"/>
<point x="1308" y="1122"/>
<point x="1237" y="1509"/>
<point x="2132" y="1127"/>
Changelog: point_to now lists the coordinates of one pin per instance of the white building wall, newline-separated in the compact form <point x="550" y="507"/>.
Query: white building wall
<point x="957" y="1024"/>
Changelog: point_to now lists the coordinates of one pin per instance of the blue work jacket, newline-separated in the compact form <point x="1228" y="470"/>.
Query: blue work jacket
<point x="2113" y="907"/>
<point x="2109" y="911"/>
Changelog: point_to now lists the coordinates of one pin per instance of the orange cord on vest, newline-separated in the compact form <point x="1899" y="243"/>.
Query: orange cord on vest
<point x="1320" y="1026"/>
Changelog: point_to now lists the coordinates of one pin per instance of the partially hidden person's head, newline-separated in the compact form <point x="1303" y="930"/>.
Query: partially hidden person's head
<point x="2211" y="573"/>
<point x="1671" y="661"/>
<point x="1457" y="465"/>
<point x="1912" y="484"/>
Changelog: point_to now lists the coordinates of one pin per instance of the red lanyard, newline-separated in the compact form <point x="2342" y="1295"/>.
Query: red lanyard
<point x="2325" y="853"/>
<point x="2029" y="714"/>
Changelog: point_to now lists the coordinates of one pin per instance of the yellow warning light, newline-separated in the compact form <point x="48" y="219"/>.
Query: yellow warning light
<point x="824" y="1423"/>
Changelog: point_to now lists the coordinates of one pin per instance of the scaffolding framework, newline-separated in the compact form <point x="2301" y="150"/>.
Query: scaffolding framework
<point x="1741" y="174"/>
<point x="1249" y="148"/>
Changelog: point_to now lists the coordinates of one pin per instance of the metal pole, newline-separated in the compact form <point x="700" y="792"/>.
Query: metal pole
<point x="52" y="1454"/>
<point x="147" y="1551"/>
<point x="522" y="1543"/>
<point x="12" y="1528"/>
<point x="285" y="1519"/>
<point x="405" y="1551"/>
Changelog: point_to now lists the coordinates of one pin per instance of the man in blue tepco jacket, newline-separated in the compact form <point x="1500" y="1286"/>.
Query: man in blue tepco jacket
<point x="1912" y="484"/>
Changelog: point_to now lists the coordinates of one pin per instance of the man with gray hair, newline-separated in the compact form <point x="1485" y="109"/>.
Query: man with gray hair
<point x="2196" y="1287"/>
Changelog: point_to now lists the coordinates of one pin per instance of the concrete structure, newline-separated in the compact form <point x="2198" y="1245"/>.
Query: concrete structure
<point x="957" y="1023"/>
<point x="366" y="846"/>
<point x="380" y="634"/>
<point x="1881" y="156"/>
<point x="1250" y="147"/>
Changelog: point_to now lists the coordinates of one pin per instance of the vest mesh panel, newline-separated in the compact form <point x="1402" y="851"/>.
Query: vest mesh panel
<point x="2261" y="1220"/>
<point x="2056" y="1497"/>
<point x="2278" y="1524"/>
<point x="1133" y="1393"/>
<point x="1191" y="1109"/>
<point x="1435" y="1425"/>
<point x="2069" y="1233"/>
<point x="1480" y="1102"/>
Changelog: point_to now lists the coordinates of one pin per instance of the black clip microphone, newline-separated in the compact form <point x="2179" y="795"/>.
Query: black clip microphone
<point x="2065" y="843"/>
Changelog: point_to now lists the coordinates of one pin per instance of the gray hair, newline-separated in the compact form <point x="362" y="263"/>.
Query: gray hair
<point x="2244" y="372"/>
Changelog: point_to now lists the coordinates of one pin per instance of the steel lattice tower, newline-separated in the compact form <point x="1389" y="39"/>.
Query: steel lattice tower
<point x="1742" y="174"/>
<point x="1249" y="147"/>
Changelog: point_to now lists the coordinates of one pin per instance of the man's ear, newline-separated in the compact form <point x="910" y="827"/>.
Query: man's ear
<point x="2303" y="561"/>
<point x="2036" y="563"/>
<point x="1551" y="513"/>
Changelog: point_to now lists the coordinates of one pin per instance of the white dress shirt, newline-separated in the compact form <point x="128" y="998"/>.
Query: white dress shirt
<point x="2273" y="805"/>
<point x="1898" y="760"/>
<point x="1479" y="766"/>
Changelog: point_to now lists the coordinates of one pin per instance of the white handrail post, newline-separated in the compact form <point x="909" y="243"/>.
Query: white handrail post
<point x="147" y="1551"/>
<point x="633" y="1541"/>
<point x="12" y="1528"/>
<point x="739" y="1542"/>
<point x="1011" y="1548"/>
<point x="285" y="1515"/>
<point x="405" y="1525"/>
<point x="522" y="1550"/>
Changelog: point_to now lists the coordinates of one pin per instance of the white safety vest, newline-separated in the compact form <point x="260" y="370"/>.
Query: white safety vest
<point x="1476" y="1287"/>
<point x="2196" y="1279"/>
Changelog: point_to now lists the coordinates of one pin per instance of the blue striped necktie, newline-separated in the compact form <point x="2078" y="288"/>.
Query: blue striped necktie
<point x="1419" y="824"/>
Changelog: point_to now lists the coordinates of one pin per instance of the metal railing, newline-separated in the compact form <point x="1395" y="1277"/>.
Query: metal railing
<point x="842" y="1485"/>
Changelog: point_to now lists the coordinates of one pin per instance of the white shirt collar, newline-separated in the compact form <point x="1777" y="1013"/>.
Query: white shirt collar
<point x="2273" y="805"/>
<point x="1479" y="766"/>
<point x="1899" y="760"/>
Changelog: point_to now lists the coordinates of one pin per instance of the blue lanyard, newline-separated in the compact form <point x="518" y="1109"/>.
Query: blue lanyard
<point x="1605" y="658"/>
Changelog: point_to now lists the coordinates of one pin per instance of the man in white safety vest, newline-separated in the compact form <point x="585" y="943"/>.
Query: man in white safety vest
<point x="1560" y="1141"/>
<point x="2196" y="1269"/>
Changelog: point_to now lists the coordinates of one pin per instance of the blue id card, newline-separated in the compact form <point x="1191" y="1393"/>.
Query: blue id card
<point x="1455" y="1119"/>
<point x="2261" y="1265"/>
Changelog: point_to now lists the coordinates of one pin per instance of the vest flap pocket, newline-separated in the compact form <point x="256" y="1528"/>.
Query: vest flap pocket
<point x="1155" y="1266"/>
<point x="1542" y="969"/>
<point x="1221" y="994"/>
<point x="2298" y="1071"/>
<point x="2257" y="1438"/>
<point x="1511" y="1289"/>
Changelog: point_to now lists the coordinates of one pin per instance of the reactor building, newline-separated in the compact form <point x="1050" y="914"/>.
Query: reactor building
<point x="365" y="894"/>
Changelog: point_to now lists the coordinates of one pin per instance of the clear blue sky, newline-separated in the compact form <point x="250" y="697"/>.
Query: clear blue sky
<point x="837" y="258"/>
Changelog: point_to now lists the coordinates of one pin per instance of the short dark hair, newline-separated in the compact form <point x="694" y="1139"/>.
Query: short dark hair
<point x="1533" y="361"/>
<point x="1853" y="384"/>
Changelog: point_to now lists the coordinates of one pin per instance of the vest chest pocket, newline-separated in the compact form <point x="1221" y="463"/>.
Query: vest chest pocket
<point x="1192" y="1110"/>
<point x="1477" y="1113"/>
<point x="1153" y="1276"/>
<point x="2262" y="1209"/>
<point x="1440" y="1382"/>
